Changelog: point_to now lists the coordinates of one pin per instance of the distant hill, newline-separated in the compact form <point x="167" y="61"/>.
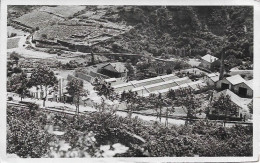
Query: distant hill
<point x="176" y="30"/>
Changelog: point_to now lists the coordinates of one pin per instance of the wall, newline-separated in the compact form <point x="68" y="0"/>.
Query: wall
<point x="83" y="76"/>
<point x="205" y="64"/>
<point x="223" y="81"/>
<point x="243" y="85"/>
<point x="209" y="81"/>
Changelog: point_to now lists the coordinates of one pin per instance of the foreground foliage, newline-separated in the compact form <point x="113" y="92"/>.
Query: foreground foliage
<point x="27" y="136"/>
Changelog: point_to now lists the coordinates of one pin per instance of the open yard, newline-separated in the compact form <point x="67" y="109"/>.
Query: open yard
<point x="13" y="42"/>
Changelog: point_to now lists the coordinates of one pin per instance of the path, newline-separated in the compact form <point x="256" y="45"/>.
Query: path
<point x="21" y="49"/>
<point x="83" y="109"/>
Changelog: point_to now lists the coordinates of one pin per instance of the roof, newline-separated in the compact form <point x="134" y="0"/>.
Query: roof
<point x="117" y="66"/>
<point x="183" y="80"/>
<point x="123" y="87"/>
<point x="213" y="74"/>
<point x="215" y="78"/>
<point x="146" y="82"/>
<point x="162" y="85"/>
<point x="241" y="102"/>
<point x="249" y="83"/>
<point x="236" y="79"/>
<point x="209" y="58"/>
<point x="169" y="77"/>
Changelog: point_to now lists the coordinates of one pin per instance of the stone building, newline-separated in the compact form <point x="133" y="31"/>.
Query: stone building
<point x="208" y="60"/>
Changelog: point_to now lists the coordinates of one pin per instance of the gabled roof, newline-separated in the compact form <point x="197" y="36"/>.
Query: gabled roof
<point x="213" y="76"/>
<point x="209" y="58"/>
<point x="117" y="66"/>
<point x="169" y="77"/>
<point x="249" y="83"/>
<point x="241" y="102"/>
<point x="236" y="79"/>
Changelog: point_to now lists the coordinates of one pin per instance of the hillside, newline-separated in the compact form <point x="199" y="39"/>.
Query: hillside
<point x="189" y="30"/>
<point x="184" y="31"/>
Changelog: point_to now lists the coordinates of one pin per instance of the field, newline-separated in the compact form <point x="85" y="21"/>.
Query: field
<point x="38" y="19"/>
<point x="63" y="11"/>
<point x="11" y="29"/>
<point x="12" y="43"/>
<point x="62" y="32"/>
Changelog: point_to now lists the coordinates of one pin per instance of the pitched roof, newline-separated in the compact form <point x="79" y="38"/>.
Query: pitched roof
<point x="241" y="102"/>
<point x="146" y="82"/>
<point x="209" y="58"/>
<point x="117" y="66"/>
<point x="249" y="83"/>
<point x="169" y="77"/>
<point x="236" y="79"/>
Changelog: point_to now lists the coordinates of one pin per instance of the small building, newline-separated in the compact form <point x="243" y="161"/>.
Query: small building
<point x="52" y="94"/>
<point x="230" y="82"/>
<point x="208" y="60"/>
<point x="114" y="70"/>
<point x="244" y="89"/>
<point x="38" y="93"/>
<point x="211" y="79"/>
<point x="241" y="103"/>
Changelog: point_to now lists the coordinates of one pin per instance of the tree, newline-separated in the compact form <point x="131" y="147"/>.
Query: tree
<point x="250" y="106"/>
<point x="19" y="84"/>
<point x="43" y="78"/>
<point x="191" y="103"/>
<point x="105" y="89"/>
<point x="131" y="72"/>
<point x="76" y="90"/>
<point x="223" y="104"/>
<point x="157" y="102"/>
<point x="44" y="36"/>
<point x="171" y="94"/>
<point x="130" y="99"/>
<point x="15" y="56"/>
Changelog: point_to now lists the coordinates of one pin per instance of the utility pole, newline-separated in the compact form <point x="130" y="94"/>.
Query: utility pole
<point x="221" y="73"/>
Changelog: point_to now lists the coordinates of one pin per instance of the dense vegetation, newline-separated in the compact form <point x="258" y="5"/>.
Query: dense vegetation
<point x="187" y="30"/>
<point x="143" y="139"/>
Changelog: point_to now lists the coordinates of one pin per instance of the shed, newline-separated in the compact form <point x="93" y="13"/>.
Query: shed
<point x="244" y="89"/>
<point x="208" y="60"/>
<point x="230" y="82"/>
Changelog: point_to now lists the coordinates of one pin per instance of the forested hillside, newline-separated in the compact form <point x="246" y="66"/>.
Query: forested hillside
<point x="186" y="30"/>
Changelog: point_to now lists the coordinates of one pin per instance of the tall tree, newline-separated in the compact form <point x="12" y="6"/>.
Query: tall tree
<point x="157" y="102"/>
<point x="76" y="90"/>
<point x="131" y="99"/>
<point x="131" y="72"/>
<point x="43" y="78"/>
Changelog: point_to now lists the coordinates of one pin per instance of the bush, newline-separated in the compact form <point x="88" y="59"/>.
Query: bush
<point x="26" y="136"/>
<point x="10" y="98"/>
<point x="13" y="34"/>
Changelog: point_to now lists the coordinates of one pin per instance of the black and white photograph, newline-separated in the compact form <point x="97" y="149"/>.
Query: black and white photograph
<point x="129" y="81"/>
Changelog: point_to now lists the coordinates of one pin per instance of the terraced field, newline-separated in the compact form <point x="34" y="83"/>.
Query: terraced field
<point x="75" y="33"/>
<point x="38" y="19"/>
<point x="63" y="11"/>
